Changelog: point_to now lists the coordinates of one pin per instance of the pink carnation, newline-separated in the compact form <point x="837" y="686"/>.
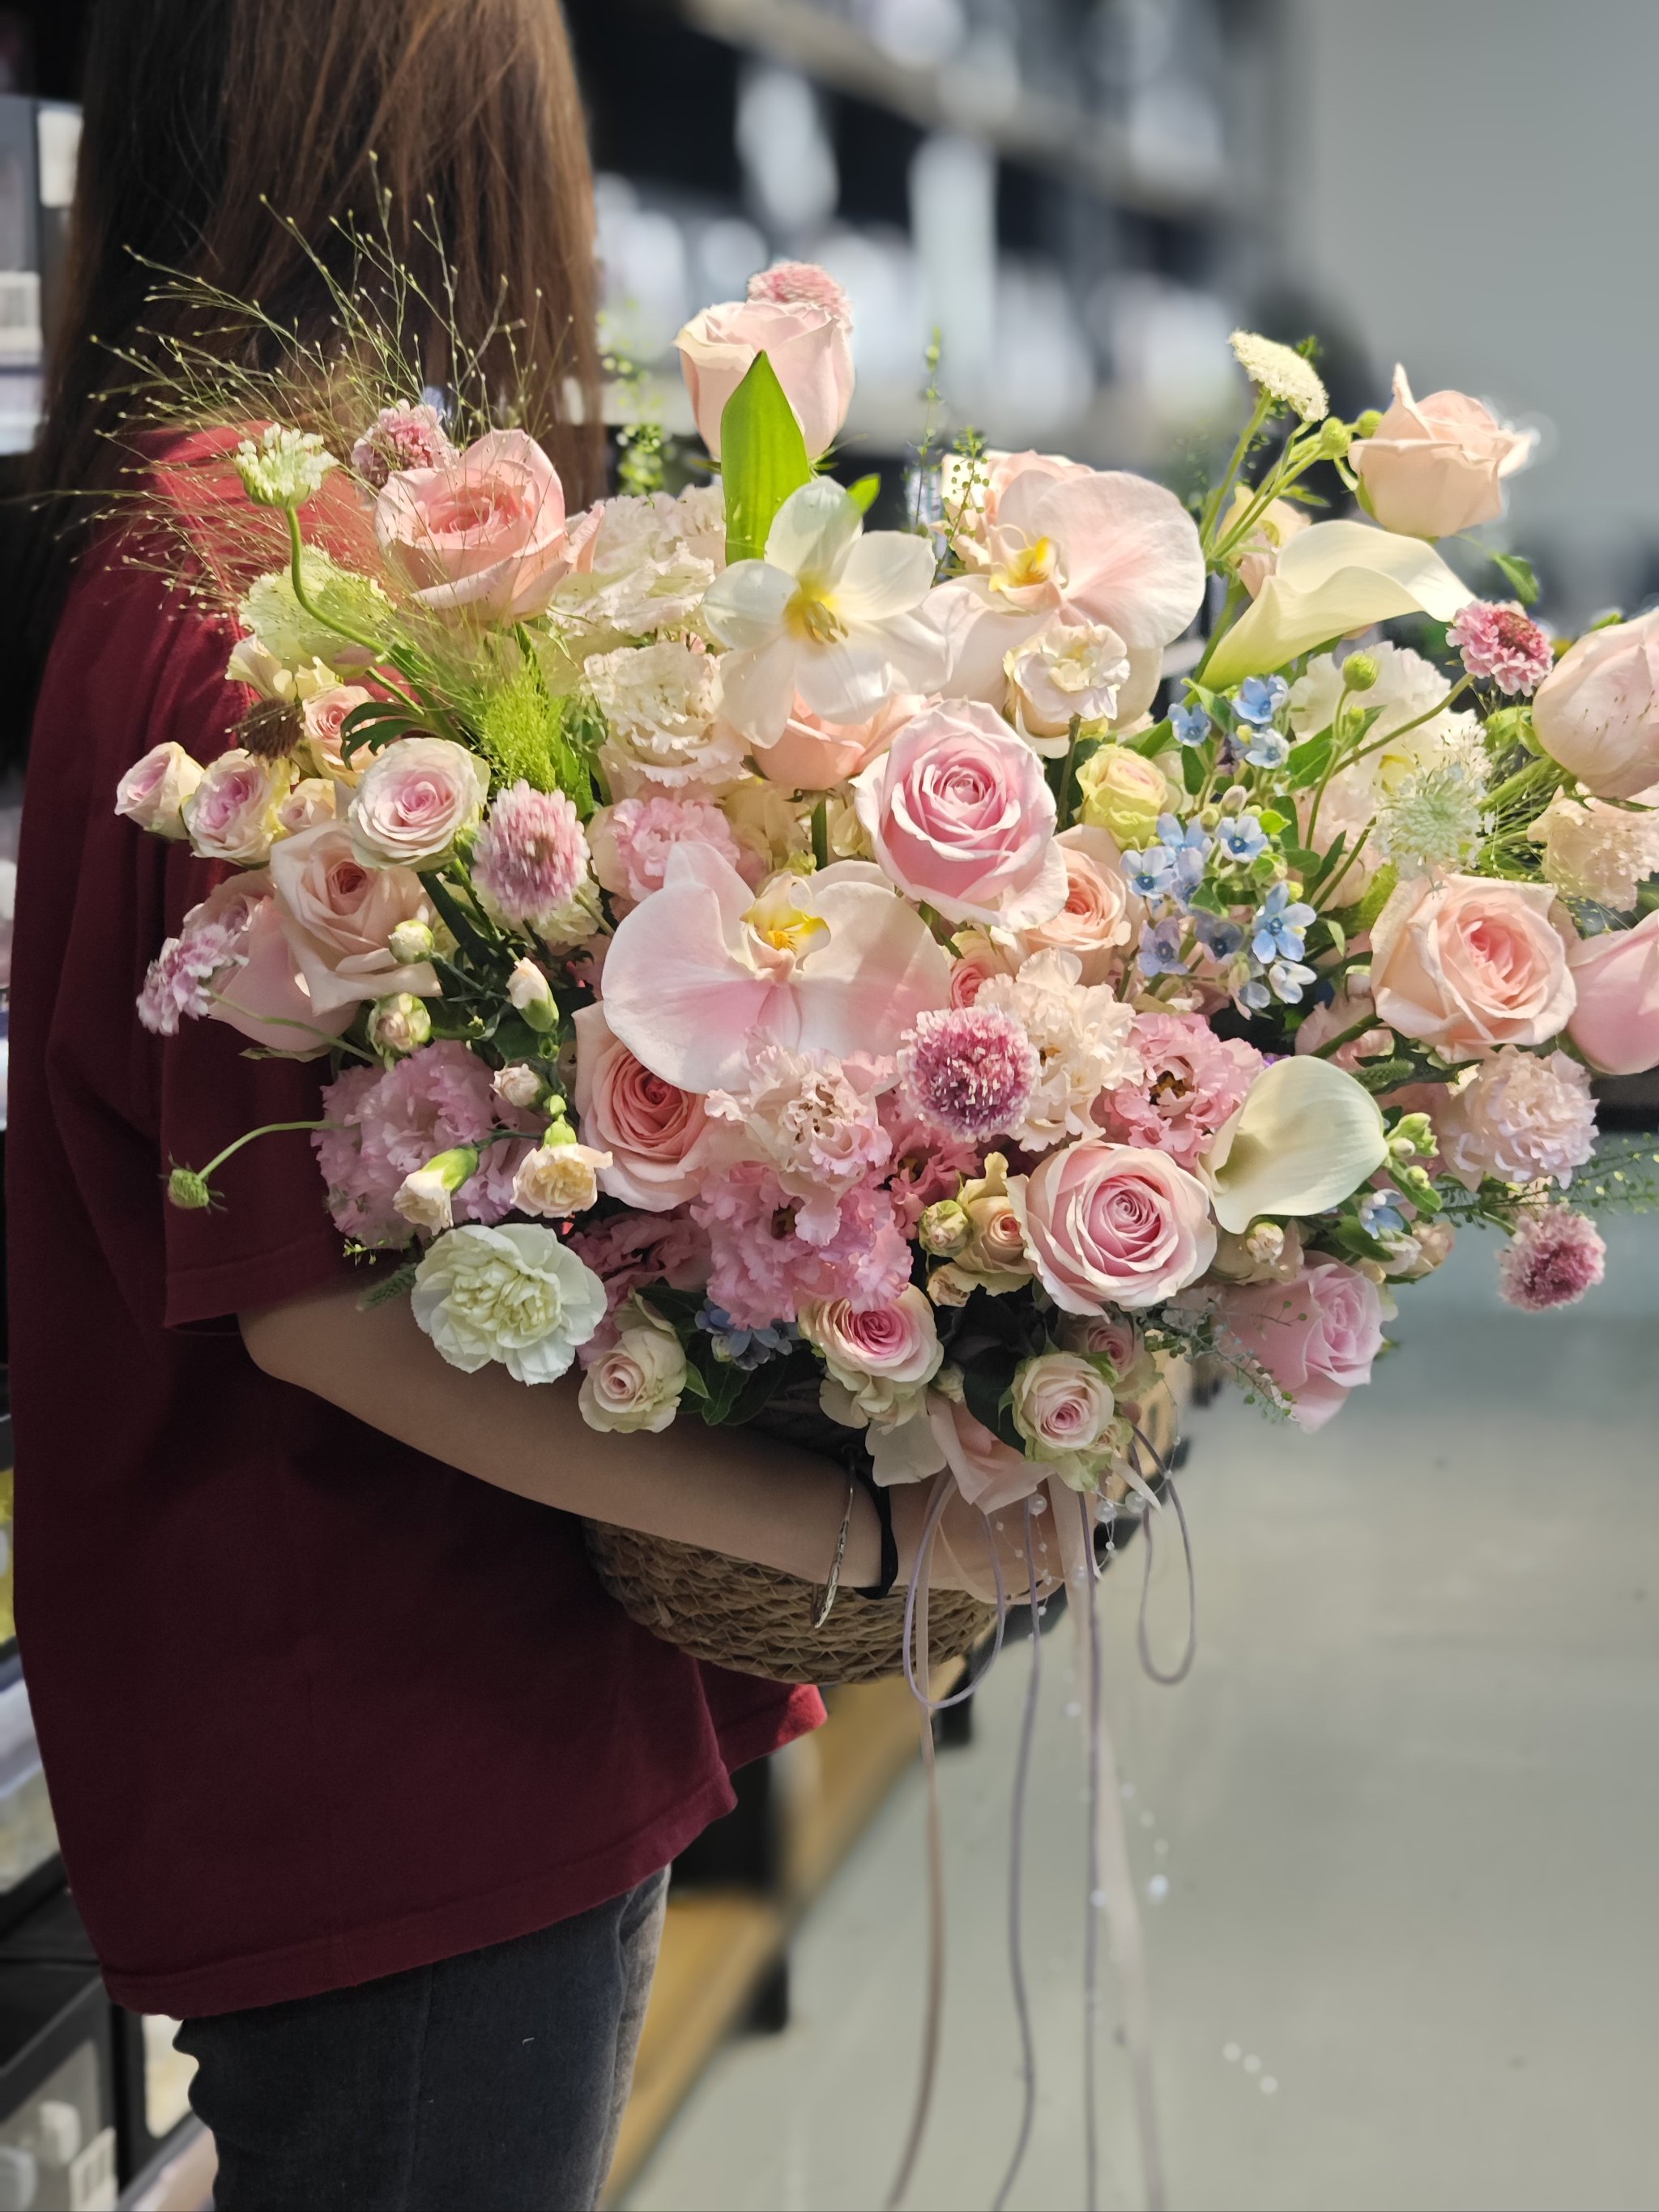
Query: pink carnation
<point x="630" y="1251"/>
<point x="1194" y="1081"/>
<point x="530" y="857"/>
<point x="393" y="1123"/>
<point x="790" y="283"/>
<point x="971" y="1069"/>
<point x="927" y="1166"/>
<point x="632" y="841"/>
<point x="1554" y="1258"/>
<point x="185" y="974"/>
<point x="1523" y="1115"/>
<point x="400" y="438"/>
<point x="1503" y="644"/>
<point x="763" y="1271"/>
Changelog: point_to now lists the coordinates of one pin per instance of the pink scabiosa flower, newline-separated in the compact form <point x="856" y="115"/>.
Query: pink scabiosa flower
<point x="400" y="438"/>
<point x="1502" y="644"/>
<point x="1554" y="1257"/>
<point x="530" y="857"/>
<point x="180" y="980"/>
<point x="794" y="284"/>
<point x="971" y="1069"/>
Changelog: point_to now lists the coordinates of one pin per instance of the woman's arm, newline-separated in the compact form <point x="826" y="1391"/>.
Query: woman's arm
<point x="729" y="1489"/>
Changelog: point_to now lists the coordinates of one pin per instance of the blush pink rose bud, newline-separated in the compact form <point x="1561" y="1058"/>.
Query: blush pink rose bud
<point x="519" y="1086"/>
<point x="153" y="790"/>
<point x="1064" y="1407"/>
<point x="807" y="345"/>
<point x="1113" y="1224"/>
<point x="1597" y="711"/>
<point x="656" y="1133"/>
<point x="638" y="1383"/>
<point x="232" y="813"/>
<point x="1466" y="964"/>
<point x="530" y="991"/>
<point x="1096" y="919"/>
<point x="325" y="714"/>
<point x="960" y="816"/>
<point x="484" y="533"/>
<point x="1615" y="1023"/>
<point x="1435" y="466"/>
<point x="421" y="795"/>
<point x="398" y="1025"/>
<point x="1316" y="1338"/>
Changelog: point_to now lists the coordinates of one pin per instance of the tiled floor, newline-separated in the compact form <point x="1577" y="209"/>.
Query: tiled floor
<point x="1406" y="1806"/>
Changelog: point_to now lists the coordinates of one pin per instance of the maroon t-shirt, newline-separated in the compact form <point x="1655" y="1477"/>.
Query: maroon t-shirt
<point x="314" y="1708"/>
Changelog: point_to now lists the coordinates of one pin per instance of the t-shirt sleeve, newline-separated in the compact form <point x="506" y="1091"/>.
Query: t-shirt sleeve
<point x="153" y="669"/>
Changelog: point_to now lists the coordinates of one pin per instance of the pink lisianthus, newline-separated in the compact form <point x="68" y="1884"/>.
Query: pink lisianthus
<point x="530" y="857"/>
<point x="232" y="962"/>
<point x="1554" y="1257"/>
<point x="1315" y="1338"/>
<point x="1193" y="1081"/>
<point x="763" y="1271"/>
<point x="814" y="1121"/>
<point x="1113" y="1224"/>
<point x="483" y="532"/>
<point x="1522" y="1115"/>
<point x="1503" y="645"/>
<point x="400" y="438"/>
<point x="925" y="1166"/>
<point x="702" y="972"/>
<point x="632" y="841"/>
<point x="961" y="816"/>
<point x="656" y="1133"/>
<point x="631" y="1251"/>
<point x="438" y="1098"/>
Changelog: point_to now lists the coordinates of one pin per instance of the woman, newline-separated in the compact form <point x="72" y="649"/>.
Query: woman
<point x="356" y="1769"/>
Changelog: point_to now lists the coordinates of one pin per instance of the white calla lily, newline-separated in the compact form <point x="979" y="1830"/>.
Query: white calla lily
<point x="828" y="615"/>
<point x="1331" y="580"/>
<point x="1306" y="1137"/>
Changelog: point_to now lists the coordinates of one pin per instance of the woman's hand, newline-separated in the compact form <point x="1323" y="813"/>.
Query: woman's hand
<point x="964" y="1541"/>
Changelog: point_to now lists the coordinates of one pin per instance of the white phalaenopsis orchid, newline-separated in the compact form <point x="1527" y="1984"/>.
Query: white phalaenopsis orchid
<point x="1306" y="1137"/>
<point x="828" y="615"/>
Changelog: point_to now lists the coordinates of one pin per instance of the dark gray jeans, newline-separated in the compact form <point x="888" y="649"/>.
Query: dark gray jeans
<point x="495" y="2081"/>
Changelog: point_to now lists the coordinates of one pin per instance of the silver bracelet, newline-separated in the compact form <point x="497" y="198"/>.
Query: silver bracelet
<point x="834" y="1584"/>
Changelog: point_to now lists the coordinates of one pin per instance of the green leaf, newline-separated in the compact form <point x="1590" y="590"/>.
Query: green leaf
<point x="1519" y="575"/>
<point x="1383" y="1074"/>
<point x="1302" y="862"/>
<point x="1272" y="821"/>
<point x="764" y="459"/>
<point x="1151" y="743"/>
<point x="985" y="1382"/>
<point x="1194" y="770"/>
<point x="863" y="493"/>
<point x="1307" y="762"/>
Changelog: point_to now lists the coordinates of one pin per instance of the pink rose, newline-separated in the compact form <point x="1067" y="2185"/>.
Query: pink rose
<point x="1465" y="965"/>
<point x="1111" y="1224"/>
<point x="153" y="790"/>
<point x="1435" y="466"/>
<point x="232" y="813"/>
<point x="418" y="797"/>
<point x="324" y="720"/>
<point x="1064" y="1407"/>
<point x="1316" y="1337"/>
<point x="339" y="917"/>
<point x="1615" y="1023"/>
<point x="656" y="1133"/>
<point x="813" y="754"/>
<point x="807" y="345"/>
<point x="484" y="533"/>
<point x="265" y="997"/>
<point x="1097" y="918"/>
<point x="1597" y="711"/>
<point x="977" y="960"/>
<point x="961" y="816"/>
<point x="878" y="1360"/>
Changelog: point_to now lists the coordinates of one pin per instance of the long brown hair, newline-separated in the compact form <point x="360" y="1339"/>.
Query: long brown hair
<point x="207" y="120"/>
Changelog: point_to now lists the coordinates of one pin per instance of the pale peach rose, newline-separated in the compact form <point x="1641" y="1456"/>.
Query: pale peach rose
<point x="485" y="532"/>
<point x="310" y="803"/>
<point x="1435" y="466"/>
<point x="1098" y="917"/>
<point x="655" y="1136"/>
<point x="339" y="917"/>
<point x="153" y="790"/>
<point x="265" y="999"/>
<point x="1615" y="1023"/>
<point x="325" y="716"/>
<point x="1114" y="1226"/>
<point x="1064" y="1407"/>
<point x="1597" y="711"/>
<point x="1465" y="965"/>
<point x="635" y="1383"/>
<point x="232" y="815"/>
<point x="807" y="345"/>
<point x="813" y="754"/>
<point x="419" y="796"/>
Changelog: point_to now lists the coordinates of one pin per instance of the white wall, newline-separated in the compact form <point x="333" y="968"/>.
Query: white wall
<point x="1476" y="183"/>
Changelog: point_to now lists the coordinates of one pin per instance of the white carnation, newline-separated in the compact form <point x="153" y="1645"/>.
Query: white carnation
<point x="1084" y="1036"/>
<point x="1593" y="850"/>
<point x="515" y="1294"/>
<point x="642" y="575"/>
<point x="659" y="702"/>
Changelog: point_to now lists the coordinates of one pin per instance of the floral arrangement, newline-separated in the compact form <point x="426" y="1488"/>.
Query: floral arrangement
<point x="755" y="949"/>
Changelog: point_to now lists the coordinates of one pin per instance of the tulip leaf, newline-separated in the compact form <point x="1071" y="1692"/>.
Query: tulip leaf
<point x="1519" y="575"/>
<point x="764" y="459"/>
<point x="863" y="492"/>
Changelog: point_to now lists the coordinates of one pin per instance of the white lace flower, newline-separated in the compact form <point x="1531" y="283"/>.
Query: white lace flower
<point x="1282" y="374"/>
<point x="830" y="615"/>
<point x="1084" y="1036"/>
<point x="1430" y="820"/>
<point x="286" y="467"/>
